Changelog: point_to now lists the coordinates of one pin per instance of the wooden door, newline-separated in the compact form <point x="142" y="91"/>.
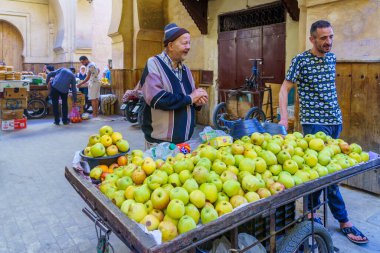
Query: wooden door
<point x="227" y="60"/>
<point x="373" y="105"/>
<point x="248" y="46"/>
<point x="11" y="45"/>
<point x="343" y="87"/>
<point x="274" y="53"/>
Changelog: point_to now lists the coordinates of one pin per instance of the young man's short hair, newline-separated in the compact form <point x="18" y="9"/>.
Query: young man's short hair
<point x="83" y="58"/>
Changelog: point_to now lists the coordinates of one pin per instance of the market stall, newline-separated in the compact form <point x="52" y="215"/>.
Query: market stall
<point x="258" y="192"/>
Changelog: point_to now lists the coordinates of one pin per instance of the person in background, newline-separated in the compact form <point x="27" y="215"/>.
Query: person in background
<point x="64" y="79"/>
<point x="313" y="71"/>
<point x="93" y="84"/>
<point x="82" y="76"/>
<point x="169" y="92"/>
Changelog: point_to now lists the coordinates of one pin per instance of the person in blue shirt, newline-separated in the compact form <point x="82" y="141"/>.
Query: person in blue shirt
<point x="64" y="79"/>
<point x="313" y="71"/>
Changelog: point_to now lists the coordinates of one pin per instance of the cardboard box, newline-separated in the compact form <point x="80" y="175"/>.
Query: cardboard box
<point x="12" y="114"/>
<point x="15" y="93"/>
<point x="14" y="84"/>
<point x="13" y="103"/>
<point x="9" y="125"/>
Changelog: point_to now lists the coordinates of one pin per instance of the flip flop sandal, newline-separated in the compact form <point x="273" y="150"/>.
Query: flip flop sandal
<point x="353" y="230"/>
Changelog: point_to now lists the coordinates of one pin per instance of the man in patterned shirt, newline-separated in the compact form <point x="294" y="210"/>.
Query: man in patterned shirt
<point x="93" y="85"/>
<point x="313" y="71"/>
<point x="169" y="91"/>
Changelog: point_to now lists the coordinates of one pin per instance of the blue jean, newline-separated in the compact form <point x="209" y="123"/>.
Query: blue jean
<point x="334" y="198"/>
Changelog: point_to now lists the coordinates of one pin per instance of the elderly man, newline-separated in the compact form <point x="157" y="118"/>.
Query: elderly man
<point x="169" y="91"/>
<point x="314" y="73"/>
<point x="64" y="79"/>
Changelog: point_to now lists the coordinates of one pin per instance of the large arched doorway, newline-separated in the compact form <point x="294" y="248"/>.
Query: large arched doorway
<point x="11" y="45"/>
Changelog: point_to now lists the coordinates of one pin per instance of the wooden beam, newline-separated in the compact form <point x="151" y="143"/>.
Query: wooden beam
<point x="198" y="12"/>
<point x="292" y="8"/>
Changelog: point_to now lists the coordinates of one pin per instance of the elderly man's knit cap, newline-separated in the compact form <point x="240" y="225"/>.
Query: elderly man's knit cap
<point x="172" y="32"/>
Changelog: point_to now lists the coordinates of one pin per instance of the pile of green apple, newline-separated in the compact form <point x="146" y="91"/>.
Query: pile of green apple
<point x="106" y="143"/>
<point x="184" y="191"/>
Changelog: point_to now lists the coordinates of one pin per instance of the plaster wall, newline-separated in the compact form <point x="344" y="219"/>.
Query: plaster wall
<point x="355" y="23"/>
<point x="32" y="20"/>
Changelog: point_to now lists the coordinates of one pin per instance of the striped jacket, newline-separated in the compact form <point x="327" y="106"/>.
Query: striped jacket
<point x="169" y="114"/>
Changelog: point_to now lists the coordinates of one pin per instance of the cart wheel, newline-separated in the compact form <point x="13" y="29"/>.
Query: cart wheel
<point x="36" y="109"/>
<point x="219" y="110"/>
<point x="299" y="239"/>
<point x="129" y="114"/>
<point x="255" y="113"/>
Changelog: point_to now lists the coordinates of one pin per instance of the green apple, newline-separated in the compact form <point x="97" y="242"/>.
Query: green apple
<point x="122" y="145"/>
<point x="321" y="135"/>
<point x="175" y="209"/>
<point x="222" y="196"/>
<point x="310" y="160"/>
<point x="303" y="175"/>
<point x="217" y="182"/>
<point x="168" y="230"/>
<point x="219" y="167"/>
<point x="124" y="182"/>
<point x="210" y="191"/>
<point x="290" y="166"/>
<point x="257" y="138"/>
<point x="198" y="198"/>
<point x="299" y="160"/>
<point x="233" y="169"/>
<point x="97" y="150"/>
<point x="96" y="172"/>
<point x="160" y="198"/>
<point x="223" y="207"/>
<point x="148" y="206"/>
<point x="286" y="180"/>
<point x="190" y="185"/>
<point x="167" y="187"/>
<point x="126" y="205"/>
<point x="356" y="148"/>
<point x="275" y="169"/>
<point x="112" y="178"/>
<point x="288" y="148"/>
<point x="150" y="222"/>
<point x="316" y="144"/>
<point x="252" y="183"/>
<point x="238" y="158"/>
<point x="184" y="175"/>
<point x="185" y="224"/>
<point x="137" y="212"/>
<point x="179" y="193"/>
<point x="333" y="167"/>
<point x="247" y="164"/>
<point x="192" y="211"/>
<point x="252" y="196"/>
<point x="364" y="156"/>
<point x="118" y="198"/>
<point x="142" y="193"/>
<point x="174" y="180"/>
<point x="238" y="200"/>
<point x="297" y="180"/>
<point x="260" y="165"/>
<point x="228" y="175"/>
<point x="201" y="174"/>
<point x="311" y="152"/>
<point x="204" y="162"/>
<point x="266" y="175"/>
<point x="264" y="193"/>
<point x="242" y="174"/>
<point x="322" y="170"/>
<point x="237" y="149"/>
<point x="313" y="174"/>
<point x="267" y="136"/>
<point x="355" y="156"/>
<point x="276" y="187"/>
<point x="208" y="214"/>
<point x="246" y="139"/>
<point x="250" y="154"/>
<point x="298" y="135"/>
<point x="309" y="137"/>
<point x="324" y="158"/>
<point x="302" y="143"/>
<point x="231" y="187"/>
<point x="180" y="166"/>
<point x="158" y="213"/>
<point x="282" y="156"/>
<point x="228" y="159"/>
<point x="105" y="130"/>
<point x="273" y="147"/>
<point x="208" y="152"/>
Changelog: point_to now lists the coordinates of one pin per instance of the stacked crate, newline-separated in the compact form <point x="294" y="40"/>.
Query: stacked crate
<point x="12" y="107"/>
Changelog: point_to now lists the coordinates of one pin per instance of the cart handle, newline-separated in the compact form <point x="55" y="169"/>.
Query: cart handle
<point x="97" y="220"/>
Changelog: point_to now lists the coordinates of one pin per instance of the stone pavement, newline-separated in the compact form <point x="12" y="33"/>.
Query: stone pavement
<point x="41" y="212"/>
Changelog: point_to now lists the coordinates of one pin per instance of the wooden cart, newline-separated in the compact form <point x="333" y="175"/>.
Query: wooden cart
<point x="138" y="241"/>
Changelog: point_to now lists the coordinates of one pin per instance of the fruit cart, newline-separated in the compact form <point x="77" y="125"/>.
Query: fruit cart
<point x="271" y="220"/>
<point x="245" y="102"/>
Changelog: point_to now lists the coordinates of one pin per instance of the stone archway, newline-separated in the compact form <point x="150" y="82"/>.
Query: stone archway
<point x="11" y="45"/>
